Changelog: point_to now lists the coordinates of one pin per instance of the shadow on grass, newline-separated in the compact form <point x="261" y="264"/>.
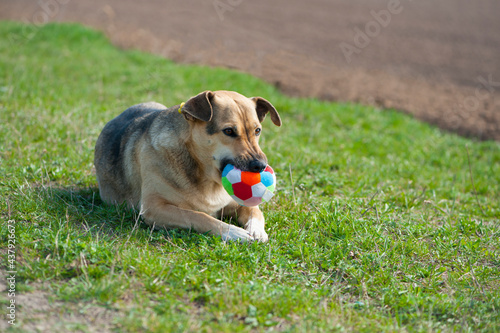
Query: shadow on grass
<point x="84" y="209"/>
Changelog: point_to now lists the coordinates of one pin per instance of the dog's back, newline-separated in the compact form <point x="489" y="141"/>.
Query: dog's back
<point x="114" y="146"/>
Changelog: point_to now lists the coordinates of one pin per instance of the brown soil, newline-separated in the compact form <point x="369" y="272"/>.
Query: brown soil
<point x="437" y="60"/>
<point x="36" y="312"/>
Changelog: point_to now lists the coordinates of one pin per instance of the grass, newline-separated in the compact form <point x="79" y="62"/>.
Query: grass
<point x="376" y="225"/>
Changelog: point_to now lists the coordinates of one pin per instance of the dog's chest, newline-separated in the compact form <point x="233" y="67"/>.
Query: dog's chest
<point x="212" y="201"/>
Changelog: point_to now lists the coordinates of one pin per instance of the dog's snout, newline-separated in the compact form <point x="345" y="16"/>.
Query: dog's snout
<point x="256" y="166"/>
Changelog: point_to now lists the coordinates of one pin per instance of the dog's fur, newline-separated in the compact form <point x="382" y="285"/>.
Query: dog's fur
<point x="168" y="164"/>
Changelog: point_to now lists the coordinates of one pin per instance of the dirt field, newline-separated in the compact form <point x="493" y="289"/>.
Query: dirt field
<point x="437" y="60"/>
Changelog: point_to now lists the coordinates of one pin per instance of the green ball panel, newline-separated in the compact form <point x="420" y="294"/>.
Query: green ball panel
<point x="227" y="185"/>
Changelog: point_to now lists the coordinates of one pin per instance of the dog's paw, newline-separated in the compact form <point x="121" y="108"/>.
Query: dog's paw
<point x="234" y="233"/>
<point x="259" y="235"/>
<point x="256" y="229"/>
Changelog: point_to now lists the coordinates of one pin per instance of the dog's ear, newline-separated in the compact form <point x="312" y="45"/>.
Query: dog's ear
<point x="262" y="106"/>
<point x="199" y="107"/>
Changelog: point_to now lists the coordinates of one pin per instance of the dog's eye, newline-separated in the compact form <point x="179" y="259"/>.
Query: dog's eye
<point x="229" y="131"/>
<point x="257" y="131"/>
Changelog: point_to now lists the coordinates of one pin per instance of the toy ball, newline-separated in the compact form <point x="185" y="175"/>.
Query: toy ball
<point x="249" y="188"/>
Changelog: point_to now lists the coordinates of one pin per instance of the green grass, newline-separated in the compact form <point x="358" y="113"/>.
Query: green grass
<point x="376" y="225"/>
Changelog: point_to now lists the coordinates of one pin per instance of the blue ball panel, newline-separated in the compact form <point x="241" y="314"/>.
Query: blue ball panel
<point x="226" y="170"/>
<point x="266" y="178"/>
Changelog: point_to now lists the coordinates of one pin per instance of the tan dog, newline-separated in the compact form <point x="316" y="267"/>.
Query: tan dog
<point x="168" y="162"/>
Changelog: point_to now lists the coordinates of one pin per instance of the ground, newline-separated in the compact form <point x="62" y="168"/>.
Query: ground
<point x="40" y="313"/>
<point x="435" y="60"/>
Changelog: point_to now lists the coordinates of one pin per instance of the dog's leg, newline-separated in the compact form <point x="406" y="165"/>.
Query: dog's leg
<point x="158" y="212"/>
<point x="251" y="218"/>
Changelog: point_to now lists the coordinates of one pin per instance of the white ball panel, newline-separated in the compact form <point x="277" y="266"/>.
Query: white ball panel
<point x="234" y="176"/>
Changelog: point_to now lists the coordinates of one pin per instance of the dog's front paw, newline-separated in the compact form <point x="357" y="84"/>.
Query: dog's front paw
<point x="256" y="229"/>
<point x="234" y="233"/>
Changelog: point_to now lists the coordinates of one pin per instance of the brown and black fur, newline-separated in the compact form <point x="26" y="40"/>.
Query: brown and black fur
<point x="169" y="164"/>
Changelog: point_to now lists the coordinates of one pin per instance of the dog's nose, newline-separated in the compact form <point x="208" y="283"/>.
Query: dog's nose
<point x="256" y="166"/>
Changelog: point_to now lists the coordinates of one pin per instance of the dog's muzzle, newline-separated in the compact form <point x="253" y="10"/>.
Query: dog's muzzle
<point x="256" y="165"/>
<point x="246" y="164"/>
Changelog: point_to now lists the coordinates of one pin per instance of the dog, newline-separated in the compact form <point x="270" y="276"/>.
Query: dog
<point x="168" y="162"/>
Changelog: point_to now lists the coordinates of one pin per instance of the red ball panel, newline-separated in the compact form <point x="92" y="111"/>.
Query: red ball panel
<point x="269" y="169"/>
<point x="242" y="191"/>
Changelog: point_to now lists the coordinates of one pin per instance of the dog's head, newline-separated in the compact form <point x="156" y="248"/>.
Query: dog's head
<point x="226" y="126"/>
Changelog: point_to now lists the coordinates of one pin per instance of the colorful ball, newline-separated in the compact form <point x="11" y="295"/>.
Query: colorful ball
<point x="249" y="188"/>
